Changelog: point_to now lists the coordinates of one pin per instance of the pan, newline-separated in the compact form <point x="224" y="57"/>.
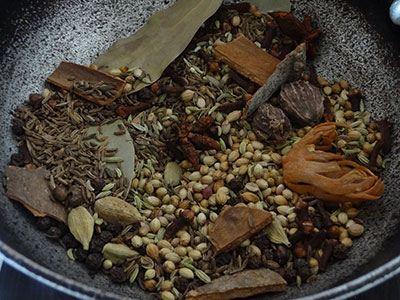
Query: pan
<point x="37" y="35"/>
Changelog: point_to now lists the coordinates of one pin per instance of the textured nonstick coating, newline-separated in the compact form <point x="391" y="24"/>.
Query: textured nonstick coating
<point x="52" y="31"/>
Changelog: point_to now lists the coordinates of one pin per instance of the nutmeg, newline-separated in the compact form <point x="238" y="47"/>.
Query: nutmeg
<point x="302" y="102"/>
<point x="270" y="123"/>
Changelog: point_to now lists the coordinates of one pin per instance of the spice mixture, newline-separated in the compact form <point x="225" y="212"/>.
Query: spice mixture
<point x="237" y="171"/>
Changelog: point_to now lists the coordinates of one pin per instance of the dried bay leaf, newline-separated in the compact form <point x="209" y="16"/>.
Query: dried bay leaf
<point x="289" y="69"/>
<point x="240" y="285"/>
<point x="31" y="188"/>
<point x="236" y="224"/>
<point x="154" y="46"/>
<point x="173" y="173"/>
<point x="122" y="142"/>
<point x="66" y="71"/>
<point x="271" y="5"/>
<point x="81" y="225"/>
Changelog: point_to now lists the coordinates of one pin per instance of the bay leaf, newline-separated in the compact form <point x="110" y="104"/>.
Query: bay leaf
<point x="154" y="46"/>
<point x="31" y="188"/>
<point x="271" y="5"/>
<point x="123" y="143"/>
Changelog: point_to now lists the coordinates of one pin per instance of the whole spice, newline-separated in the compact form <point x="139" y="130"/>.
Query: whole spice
<point x="66" y="70"/>
<point x="81" y="225"/>
<point x="185" y="218"/>
<point x="234" y="225"/>
<point x="240" y="285"/>
<point x="308" y="168"/>
<point x="270" y="123"/>
<point x="115" y="210"/>
<point x="124" y="111"/>
<point x="302" y="101"/>
<point x="117" y="253"/>
<point x="299" y="31"/>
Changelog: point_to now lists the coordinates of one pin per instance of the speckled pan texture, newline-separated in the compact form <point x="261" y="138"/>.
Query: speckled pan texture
<point x="79" y="30"/>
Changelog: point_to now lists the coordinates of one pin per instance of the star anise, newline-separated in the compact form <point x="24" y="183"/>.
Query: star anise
<point x="193" y="137"/>
<point x="297" y="30"/>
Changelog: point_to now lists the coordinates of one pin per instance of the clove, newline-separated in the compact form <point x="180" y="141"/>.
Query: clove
<point x="269" y="34"/>
<point x="240" y="81"/>
<point x="175" y="77"/>
<point x="327" y="253"/>
<point x="326" y="218"/>
<point x="124" y="111"/>
<point x="355" y="99"/>
<point x="185" y="218"/>
<point x="231" y="106"/>
<point x="316" y="241"/>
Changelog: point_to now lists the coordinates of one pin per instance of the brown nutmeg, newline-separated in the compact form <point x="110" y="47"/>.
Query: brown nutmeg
<point x="270" y="123"/>
<point x="302" y="102"/>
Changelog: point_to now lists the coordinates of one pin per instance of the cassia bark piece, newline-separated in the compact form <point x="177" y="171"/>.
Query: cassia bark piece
<point x="247" y="59"/>
<point x="62" y="76"/>
<point x="31" y="188"/>
<point x="236" y="224"/>
<point x="240" y="285"/>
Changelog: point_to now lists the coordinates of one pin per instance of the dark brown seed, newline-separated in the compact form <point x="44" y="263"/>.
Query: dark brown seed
<point x="81" y="255"/>
<point x="44" y="223"/>
<point x="17" y="159"/>
<point x="60" y="193"/>
<point x="69" y="241"/>
<point x="94" y="261"/>
<point x="117" y="274"/>
<point x="302" y="101"/>
<point x="54" y="232"/>
<point x="302" y="268"/>
<point x="75" y="197"/>
<point x="270" y="123"/>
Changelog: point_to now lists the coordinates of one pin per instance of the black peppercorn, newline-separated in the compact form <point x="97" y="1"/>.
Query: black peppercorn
<point x="17" y="159"/>
<point x="105" y="236"/>
<point x="262" y="242"/>
<point x="181" y="284"/>
<point x="254" y="262"/>
<point x="96" y="244"/>
<point x="81" y="255"/>
<point x="114" y="228"/>
<point x="17" y="128"/>
<point x="44" y="223"/>
<point x="236" y="184"/>
<point x="69" y="241"/>
<point x="94" y="261"/>
<point x="290" y="276"/>
<point x="97" y="184"/>
<point x="54" y="232"/>
<point x="117" y="274"/>
<point x="75" y="196"/>
<point x="302" y="268"/>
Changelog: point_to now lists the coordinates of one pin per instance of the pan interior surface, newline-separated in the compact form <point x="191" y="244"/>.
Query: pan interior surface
<point x="50" y="32"/>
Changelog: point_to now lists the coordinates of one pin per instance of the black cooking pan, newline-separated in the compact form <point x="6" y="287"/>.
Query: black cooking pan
<point x="37" y="35"/>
